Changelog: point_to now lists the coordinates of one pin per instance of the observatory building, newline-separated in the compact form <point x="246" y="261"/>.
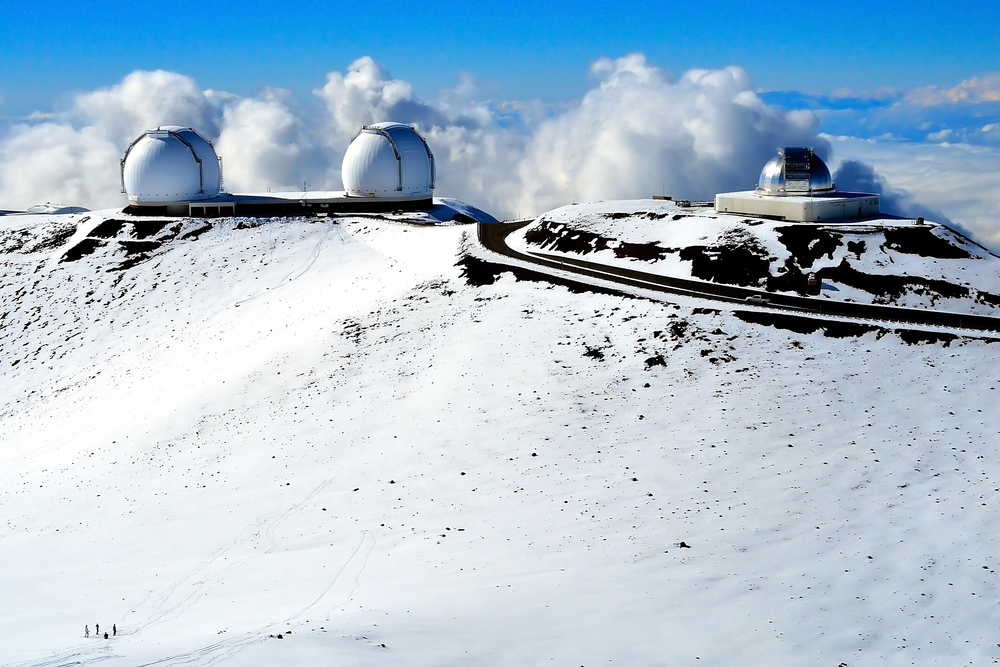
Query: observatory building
<point x="169" y="167"/>
<point x="388" y="161"/>
<point x="796" y="185"/>
<point x="174" y="170"/>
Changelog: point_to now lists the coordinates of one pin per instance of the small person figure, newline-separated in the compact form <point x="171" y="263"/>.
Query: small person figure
<point x="105" y="635"/>
<point x="97" y="629"/>
<point x="86" y="632"/>
<point x="114" y="630"/>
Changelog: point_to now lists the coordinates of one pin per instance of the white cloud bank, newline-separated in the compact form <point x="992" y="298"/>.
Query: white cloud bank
<point x="637" y="132"/>
<point x="961" y="180"/>
<point x="73" y="157"/>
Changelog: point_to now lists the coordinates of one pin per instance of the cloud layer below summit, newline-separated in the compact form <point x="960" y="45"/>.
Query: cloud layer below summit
<point x="636" y="132"/>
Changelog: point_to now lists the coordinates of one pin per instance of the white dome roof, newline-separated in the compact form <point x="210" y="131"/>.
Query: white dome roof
<point x="388" y="160"/>
<point x="170" y="164"/>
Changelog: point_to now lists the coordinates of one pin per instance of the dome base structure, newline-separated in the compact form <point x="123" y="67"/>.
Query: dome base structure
<point x="282" y="204"/>
<point x="796" y="185"/>
<point x="810" y="208"/>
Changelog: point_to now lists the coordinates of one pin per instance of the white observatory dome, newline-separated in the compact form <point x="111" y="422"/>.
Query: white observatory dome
<point x="795" y="171"/>
<point x="168" y="165"/>
<point x="388" y="160"/>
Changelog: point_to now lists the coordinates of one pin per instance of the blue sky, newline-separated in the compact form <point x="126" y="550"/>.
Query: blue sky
<point x="521" y="51"/>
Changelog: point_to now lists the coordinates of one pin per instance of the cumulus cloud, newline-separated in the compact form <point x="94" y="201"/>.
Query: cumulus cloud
<point x="856" y="176"/>
<point x="55" y="162"/>
<point x="472" y="150"/>
<point x="264" y="145"/>
<point x="73" y="157"/>
<point x="367" y="94"/>
<point x="953" y="183"/>
<point x="144" y="100"/>
<point x="637" y="132"/>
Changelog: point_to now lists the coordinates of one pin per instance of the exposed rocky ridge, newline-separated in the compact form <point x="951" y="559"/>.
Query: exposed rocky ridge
<point x="126" y="243"/>
<point x="888" y="261"/>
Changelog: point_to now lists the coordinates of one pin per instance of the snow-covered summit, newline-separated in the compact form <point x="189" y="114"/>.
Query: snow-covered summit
<point x="216" y="433"/>
<point x="881" y="261"/>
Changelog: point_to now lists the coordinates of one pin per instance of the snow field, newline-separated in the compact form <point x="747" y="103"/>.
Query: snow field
<point x="194" y="480"/>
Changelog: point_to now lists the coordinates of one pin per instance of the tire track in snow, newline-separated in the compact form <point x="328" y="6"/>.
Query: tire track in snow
<point x="352" y="569"/>
<point x="301" y="271"/>
<point x="77" y="655"/>
<point x="262" y="528"/>
<point x="227" y="648"/>
<point x="164" y="606"/>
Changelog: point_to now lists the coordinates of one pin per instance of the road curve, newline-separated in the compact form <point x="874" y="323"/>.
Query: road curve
<point x="493" y="236"/>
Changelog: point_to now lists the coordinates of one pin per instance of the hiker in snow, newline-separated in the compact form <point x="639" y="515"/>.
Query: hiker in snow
<point x="86" y="631"/>
<point x="114" y="630"/>
<point x="105" y="635"/>
<point x="97" y="629"/>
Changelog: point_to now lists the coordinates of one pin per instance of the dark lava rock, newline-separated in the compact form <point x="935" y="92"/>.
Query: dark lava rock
<point x="807" y="243"/>
<point x="85" y="247"/>
<point x="646" y="252"/>
<point x="922" y="241"/>
<point x="658" y="360"/>
<point x="739" y="259"/>
<point x="108" y="229"/>
<point x="560" y="238"/>
<point x="195" y="233"/>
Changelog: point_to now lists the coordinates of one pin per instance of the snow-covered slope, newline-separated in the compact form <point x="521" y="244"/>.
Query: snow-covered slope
<point x="217" y="433"/>
<point x="885" y="261"/>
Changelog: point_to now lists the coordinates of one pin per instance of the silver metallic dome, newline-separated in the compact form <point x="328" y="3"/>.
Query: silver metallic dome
<point x="795" y="171"/>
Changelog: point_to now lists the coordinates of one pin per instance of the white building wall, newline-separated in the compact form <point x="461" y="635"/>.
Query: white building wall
<point x="844" y="206"/>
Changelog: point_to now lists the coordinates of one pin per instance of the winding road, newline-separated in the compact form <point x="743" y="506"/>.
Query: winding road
<point x="493" y="236"/>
